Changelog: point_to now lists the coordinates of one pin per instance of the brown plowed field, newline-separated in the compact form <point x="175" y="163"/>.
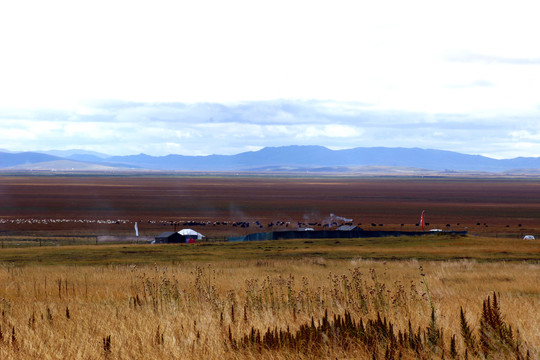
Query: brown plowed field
<point x="223" y="206"/>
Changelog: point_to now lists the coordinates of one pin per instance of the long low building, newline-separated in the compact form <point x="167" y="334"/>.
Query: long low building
<point x="335" y="234"/>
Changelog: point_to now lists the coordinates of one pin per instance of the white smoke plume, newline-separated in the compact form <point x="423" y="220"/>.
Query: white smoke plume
<point x="340" y="218"/>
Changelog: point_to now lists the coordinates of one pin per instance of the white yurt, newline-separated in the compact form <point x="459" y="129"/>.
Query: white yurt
<point x="191" y="234"/>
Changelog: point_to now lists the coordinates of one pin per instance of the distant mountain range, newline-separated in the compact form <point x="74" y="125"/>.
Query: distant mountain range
<point x="277" y="159"/>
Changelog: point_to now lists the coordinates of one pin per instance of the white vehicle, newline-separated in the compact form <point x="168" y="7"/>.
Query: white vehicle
<point x="528" y="237"/>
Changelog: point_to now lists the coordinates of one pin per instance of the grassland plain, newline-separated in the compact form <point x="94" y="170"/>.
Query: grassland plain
<point x="428" y="248"/>
<point x="427" y="297"/>
<point x="301" y="308"/>
<point x="109" y="205"/>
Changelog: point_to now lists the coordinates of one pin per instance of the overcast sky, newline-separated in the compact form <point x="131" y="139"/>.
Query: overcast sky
<point x="205" y="77"/>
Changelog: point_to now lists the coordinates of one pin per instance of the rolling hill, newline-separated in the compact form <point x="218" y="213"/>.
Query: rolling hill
<point x="285" y="158"/>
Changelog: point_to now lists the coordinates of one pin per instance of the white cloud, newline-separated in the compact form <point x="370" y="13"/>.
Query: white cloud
<point x="328" y="131"/>
<point x="522" y="136"/>
<point x="209" y="128"/>
<point x="221" y="77"/>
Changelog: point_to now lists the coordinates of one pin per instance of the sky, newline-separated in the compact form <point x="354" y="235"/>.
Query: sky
<point x="222" y="77"/>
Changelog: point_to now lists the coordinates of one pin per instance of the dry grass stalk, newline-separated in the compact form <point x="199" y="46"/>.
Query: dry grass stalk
<point x="278" y="309"/>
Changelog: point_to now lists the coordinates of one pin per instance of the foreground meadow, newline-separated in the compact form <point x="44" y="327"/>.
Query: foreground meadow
<point x="272" y="308"/>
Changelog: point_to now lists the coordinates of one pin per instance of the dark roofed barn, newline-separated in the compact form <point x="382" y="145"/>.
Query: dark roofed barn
<point x="170" y="237"/>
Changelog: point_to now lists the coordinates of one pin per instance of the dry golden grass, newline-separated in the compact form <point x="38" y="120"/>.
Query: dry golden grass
<point x="194" y="311"/>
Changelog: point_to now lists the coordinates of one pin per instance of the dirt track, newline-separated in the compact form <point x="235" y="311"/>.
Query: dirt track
<point x="221" y="206"/>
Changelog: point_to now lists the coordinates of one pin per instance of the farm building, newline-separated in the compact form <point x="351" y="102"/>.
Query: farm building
<point x="348" y="228"/>
<point x="334" y="234"/>
<point x="170" y="238"/>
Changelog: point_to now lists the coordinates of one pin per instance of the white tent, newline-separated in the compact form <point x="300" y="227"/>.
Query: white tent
<point x="191" y="232"/>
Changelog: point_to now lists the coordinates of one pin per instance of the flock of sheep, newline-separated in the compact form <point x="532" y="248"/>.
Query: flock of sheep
<point x="240" y="224"/>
